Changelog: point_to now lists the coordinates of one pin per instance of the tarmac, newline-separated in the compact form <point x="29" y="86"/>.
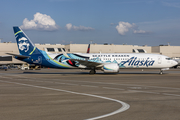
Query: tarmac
<point x="66" y="94"/>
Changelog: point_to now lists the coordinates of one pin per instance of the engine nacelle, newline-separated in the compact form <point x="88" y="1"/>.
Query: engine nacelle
<point x="111" y="68"/>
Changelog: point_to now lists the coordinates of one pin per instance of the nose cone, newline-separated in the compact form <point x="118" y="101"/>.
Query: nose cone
<point x="174" y="63"/>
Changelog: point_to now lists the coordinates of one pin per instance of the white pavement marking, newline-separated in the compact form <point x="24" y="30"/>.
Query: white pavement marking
<point x="114" y="84"/>
<point x="103" y="83"/>
<point x="70" y="84"/>
<point x="144" y="91"/>
<point x="124" y="107"/>
<point x="113" y="88"/>
<point x="120" y="84"/>
<point x="88" y="86"/>
<point x="171" y="94"/>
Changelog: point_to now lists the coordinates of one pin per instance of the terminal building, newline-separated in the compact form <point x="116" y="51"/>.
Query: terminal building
<point x="8" y="47"/>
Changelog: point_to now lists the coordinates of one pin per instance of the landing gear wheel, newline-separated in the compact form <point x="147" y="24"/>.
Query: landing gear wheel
<point x="161" y="72"/>
<point x="92" y="72"/>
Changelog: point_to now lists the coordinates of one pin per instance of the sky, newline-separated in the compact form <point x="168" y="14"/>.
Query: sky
<point x="132" y="22"/>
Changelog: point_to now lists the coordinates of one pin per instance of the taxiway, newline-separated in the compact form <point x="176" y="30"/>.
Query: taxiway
<point x="60" y="94"/>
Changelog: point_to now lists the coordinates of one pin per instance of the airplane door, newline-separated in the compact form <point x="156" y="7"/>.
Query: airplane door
<point x="159" y="60"/>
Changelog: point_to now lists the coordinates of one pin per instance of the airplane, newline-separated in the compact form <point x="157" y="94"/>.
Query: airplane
<point x="107" y="62"/>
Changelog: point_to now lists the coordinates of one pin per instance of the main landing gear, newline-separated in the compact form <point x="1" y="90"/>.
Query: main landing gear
<point x="92" y="71"/>
<point x="161" y="72"/>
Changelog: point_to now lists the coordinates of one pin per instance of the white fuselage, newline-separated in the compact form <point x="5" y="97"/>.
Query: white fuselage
<point x="134" y="60"/>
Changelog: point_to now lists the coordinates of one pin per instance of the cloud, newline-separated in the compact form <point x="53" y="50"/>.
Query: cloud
<point x="124" y="27"/>
<point x="69" y="26"/>
<point x="141" y="32"/>
<point x="40" y="22"/>
<point x="112" y="24"/>
<point x="172" y="4"/>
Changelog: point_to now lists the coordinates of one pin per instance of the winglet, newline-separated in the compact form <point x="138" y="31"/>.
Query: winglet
<point x="64" y="53"/>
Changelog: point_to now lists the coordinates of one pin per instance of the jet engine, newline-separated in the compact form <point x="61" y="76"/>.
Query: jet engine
<point x="111" y="68"/>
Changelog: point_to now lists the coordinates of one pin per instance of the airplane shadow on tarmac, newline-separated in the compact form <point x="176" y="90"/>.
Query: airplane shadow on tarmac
<point x="87" y="73"/>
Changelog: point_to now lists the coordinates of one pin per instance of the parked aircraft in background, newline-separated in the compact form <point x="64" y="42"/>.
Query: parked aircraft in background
<point x="88" y="49"/>
<point x="107" y="62"/>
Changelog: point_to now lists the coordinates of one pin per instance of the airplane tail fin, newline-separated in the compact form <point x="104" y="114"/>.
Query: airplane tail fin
<point x="25" y="46"/>
<point x="88" y="48"/>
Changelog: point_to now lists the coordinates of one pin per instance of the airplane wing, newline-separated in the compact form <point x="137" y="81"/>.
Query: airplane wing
<point x="88" y="63"/>
<point x="19" y="56"/>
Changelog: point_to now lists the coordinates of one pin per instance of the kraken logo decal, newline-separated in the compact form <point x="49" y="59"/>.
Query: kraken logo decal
<point x="23" y="44"/>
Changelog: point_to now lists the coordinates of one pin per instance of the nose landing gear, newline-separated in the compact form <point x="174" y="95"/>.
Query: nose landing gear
<point x="161" y="72"/>
<point x="92" y="71"/>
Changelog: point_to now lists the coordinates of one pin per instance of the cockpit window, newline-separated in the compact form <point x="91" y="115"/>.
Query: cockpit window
<point x="168" y="59"/>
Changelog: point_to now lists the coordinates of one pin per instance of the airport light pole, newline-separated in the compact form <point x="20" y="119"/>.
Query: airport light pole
<point x="0" y="40"/>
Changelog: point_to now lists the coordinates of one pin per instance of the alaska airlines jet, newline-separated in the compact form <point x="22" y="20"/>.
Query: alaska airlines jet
<point x="107" y="62"/>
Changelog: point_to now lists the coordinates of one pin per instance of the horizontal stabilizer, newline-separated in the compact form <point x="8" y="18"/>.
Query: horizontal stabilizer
<point x="19" y="56"/>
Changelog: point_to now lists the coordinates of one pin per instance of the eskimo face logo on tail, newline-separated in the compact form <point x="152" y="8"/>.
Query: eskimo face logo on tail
<point x="23" y="44"/>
